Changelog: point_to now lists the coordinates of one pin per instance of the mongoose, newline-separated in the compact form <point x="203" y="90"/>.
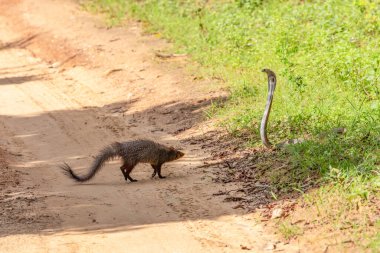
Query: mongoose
<point x="131" y="153"/>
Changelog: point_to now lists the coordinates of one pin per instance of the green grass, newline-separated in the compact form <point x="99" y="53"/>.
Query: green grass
<point x="327" y="58"/>
<point x="374" y="245"/>
<point x="113" y="10"/>
<point x="289" y="231"/>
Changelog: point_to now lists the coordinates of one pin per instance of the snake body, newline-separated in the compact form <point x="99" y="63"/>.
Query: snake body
<point x="268" y="106"/>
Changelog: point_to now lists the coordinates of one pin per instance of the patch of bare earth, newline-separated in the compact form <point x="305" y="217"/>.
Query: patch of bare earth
<point x="19" y="207"/>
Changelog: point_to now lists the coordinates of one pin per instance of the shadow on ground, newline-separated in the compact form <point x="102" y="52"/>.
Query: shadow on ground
<point x="255" y="171"/>
<point x="86" y="132"/>
<point x="19" y="43"/>
<point x="20" y="79"/>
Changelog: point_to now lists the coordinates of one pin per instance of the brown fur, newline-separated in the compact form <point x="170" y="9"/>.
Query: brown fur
<point x="131" y="153"/>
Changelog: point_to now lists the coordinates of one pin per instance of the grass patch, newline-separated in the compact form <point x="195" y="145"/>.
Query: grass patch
<point x="326" y="55"/>
<point x="347" y="211"/>
<point x="374" y="244"/>
<point x="289" y="231"/>
<point x="114" y="10"/>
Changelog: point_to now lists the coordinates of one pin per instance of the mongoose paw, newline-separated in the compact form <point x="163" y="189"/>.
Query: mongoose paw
<point x="153" y="175"/>
<point x="161" y="176"/>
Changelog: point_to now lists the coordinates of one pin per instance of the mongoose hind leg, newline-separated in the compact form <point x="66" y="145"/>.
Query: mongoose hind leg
<point x="126" y="170"/>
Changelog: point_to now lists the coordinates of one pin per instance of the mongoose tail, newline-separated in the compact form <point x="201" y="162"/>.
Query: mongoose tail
<point x="104" y="155"/>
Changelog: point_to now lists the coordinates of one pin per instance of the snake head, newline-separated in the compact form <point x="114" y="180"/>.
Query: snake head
<point x="271" y="79"/>
<point x="269" y="72"/>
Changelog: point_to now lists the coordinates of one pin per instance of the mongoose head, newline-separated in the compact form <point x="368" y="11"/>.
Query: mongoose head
<point x="174" y="154"/>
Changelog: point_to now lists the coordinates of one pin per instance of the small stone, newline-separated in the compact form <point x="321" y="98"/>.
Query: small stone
<point x="55" y="65"/>
<point x="270" y="246"/>
<point x="277" y="213"/>
<point x="243" y="247"/>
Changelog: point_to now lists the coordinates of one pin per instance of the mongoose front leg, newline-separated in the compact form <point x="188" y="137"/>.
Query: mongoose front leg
<point x="155" y="170"/>
<point x="159" y="171"/>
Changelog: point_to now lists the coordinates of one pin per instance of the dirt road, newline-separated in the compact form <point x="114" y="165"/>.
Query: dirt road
<point x="69" y="86"/>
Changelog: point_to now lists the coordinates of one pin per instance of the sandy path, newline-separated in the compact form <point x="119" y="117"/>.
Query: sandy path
<point x="67" y="92"/>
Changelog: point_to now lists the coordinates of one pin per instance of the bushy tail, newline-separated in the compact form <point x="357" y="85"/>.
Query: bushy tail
<point x="104" y="155"/>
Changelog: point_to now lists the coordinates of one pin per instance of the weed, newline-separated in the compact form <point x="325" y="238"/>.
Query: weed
<point x="115" y="10"/>
<point x="289" y="231"/>
<point x="374" y="244"/>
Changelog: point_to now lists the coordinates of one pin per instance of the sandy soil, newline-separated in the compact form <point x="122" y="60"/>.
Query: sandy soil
<point x="69" y="86"/>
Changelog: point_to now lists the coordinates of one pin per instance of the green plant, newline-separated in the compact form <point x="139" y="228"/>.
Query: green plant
<point x="115" y="10"/>
<point x="289" y="231"/>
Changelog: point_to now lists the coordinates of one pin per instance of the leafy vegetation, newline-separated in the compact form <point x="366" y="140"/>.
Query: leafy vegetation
<point x="327" y="58"/>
